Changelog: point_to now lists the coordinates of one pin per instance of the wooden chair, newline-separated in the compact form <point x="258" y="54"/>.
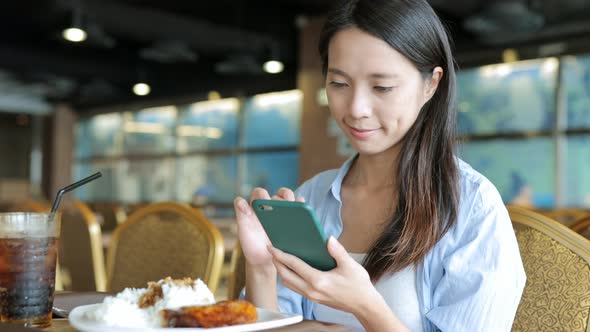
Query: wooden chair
<point x="237" y="273"/>
<point x="557" y="264"/>
<point x="566" y="216"/>
<point x="111" y="214"/>
<point x="81" y="255"/>
<point x="164" y="239"/>
<point x="27" y="205"/>
<point x="582" y="227"/>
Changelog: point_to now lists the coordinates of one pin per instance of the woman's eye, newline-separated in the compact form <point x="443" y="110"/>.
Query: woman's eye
<point x="383" y="88"/>
<point x="337" y="84"/>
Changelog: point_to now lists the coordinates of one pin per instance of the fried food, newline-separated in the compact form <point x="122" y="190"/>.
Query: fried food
<point x="220" y="314"/>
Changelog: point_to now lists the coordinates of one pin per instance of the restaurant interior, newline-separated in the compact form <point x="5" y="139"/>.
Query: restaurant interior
<point x="184" y="105"/>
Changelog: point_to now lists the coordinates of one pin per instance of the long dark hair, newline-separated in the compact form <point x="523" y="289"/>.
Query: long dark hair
<point x="427" y="172"/>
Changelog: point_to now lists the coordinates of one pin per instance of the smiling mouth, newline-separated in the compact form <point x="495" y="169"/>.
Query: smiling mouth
<point x="362" y="130"/>
<point x="362" y="133"/>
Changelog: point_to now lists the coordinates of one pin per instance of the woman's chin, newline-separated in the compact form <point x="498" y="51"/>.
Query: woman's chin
<point x="367" y="150"/>
<point x="372" y="149"/>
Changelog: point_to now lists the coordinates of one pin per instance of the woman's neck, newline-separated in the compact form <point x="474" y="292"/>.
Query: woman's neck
<point x="374" y="171"/>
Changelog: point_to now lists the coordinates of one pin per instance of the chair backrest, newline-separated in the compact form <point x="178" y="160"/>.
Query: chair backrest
<point x="237" y="273"/>
<point x="557" y="264"/>
<point x="112" y="214"/>
<point x="582" y="227"/>
<point x="161" y="240"/>
<point x="81" y="253"/>
<point x="27" y="205"/>
<point x="566" y="216"/>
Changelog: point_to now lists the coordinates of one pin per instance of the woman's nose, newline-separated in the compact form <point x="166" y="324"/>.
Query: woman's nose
<point x="360" y="105"/>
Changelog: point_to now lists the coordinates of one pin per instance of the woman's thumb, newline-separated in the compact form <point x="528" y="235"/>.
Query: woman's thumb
<point x="337" y="251"/>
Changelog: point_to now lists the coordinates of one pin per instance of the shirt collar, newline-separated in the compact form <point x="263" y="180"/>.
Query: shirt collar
<point x="337" y="183"/>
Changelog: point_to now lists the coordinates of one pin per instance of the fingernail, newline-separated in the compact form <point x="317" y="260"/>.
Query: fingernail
<point x="244" y="207"/>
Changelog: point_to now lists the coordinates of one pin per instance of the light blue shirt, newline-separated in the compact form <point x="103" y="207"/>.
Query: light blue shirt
<point x="472" y="279"/>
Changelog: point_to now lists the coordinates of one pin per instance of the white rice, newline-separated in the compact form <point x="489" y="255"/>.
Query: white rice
<point x="122" y="310"/>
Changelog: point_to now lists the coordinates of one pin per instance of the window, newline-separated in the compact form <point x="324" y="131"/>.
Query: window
<point x="206" y="179"/>
<point x="277" y="115"/>
<point x="150" y="131"/>
<point x="99" y="135"/>
<point x="507" y="98"/>
<point x="108" y="188"/>
<point x="208" y="125"/>
<point x="203" y="153"/>
<point x="271" y="171"/>
<point x="577" y="175"/>
<point x="527" y="181"/>
<point x="530" y="142"/>
<point x="576" y="84"/>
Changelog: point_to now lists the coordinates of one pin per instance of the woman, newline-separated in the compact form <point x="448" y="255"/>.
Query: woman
<point x="421" y="240"/>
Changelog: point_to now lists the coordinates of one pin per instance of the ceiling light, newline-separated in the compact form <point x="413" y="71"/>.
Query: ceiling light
<point x="74" y="32"/>
<point x="141" y="89"/>
<point x="273" y="67"/>
<point x="75" y="35"/>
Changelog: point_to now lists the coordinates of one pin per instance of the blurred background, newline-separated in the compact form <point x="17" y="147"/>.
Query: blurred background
<point x="200" y="101"/>
<point x="196" y="102"/>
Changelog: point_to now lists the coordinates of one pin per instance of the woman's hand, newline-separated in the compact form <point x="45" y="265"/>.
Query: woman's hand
<point x="347" y="287"/>
<point x="261" y="275"/>
<point x="252" y="236"/>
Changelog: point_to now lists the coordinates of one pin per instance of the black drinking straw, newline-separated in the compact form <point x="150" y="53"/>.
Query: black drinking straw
<point x="71" y="187"/>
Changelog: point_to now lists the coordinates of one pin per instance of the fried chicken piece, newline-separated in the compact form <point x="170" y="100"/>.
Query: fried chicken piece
<point x="220" y="314"/>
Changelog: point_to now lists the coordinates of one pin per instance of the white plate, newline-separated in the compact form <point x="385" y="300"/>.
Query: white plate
<point x="266" y="319"/>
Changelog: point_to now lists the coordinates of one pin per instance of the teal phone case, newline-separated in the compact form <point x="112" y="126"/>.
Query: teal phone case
<point x="294" y="228"/>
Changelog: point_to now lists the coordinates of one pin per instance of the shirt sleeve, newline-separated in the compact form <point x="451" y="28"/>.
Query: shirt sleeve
<point x="290" y="301"/>
<point x="483" y="277"/>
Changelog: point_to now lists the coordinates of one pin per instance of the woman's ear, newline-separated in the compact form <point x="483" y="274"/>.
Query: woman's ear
<point x="432" y="83"/>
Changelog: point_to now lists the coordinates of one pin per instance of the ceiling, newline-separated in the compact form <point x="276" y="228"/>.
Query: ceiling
<point x="186" y="48"/>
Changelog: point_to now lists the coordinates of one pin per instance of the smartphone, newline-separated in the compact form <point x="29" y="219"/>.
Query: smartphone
<point x="294" y="228"/>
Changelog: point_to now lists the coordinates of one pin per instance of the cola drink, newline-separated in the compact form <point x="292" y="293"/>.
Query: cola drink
<point x="27" y="272"/>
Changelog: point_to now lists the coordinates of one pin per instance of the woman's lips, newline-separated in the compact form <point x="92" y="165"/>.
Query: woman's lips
<point x="362" y="133"/>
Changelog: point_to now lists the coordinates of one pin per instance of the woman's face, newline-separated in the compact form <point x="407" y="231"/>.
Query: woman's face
<point x="374" y="93"/>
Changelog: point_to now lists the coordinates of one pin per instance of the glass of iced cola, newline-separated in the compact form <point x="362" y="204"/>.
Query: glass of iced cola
<point x="28" y="255"/>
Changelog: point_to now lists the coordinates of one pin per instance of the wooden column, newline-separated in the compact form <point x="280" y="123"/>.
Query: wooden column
<point x="318" y="149"/>
<point x="61" y="155"/>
